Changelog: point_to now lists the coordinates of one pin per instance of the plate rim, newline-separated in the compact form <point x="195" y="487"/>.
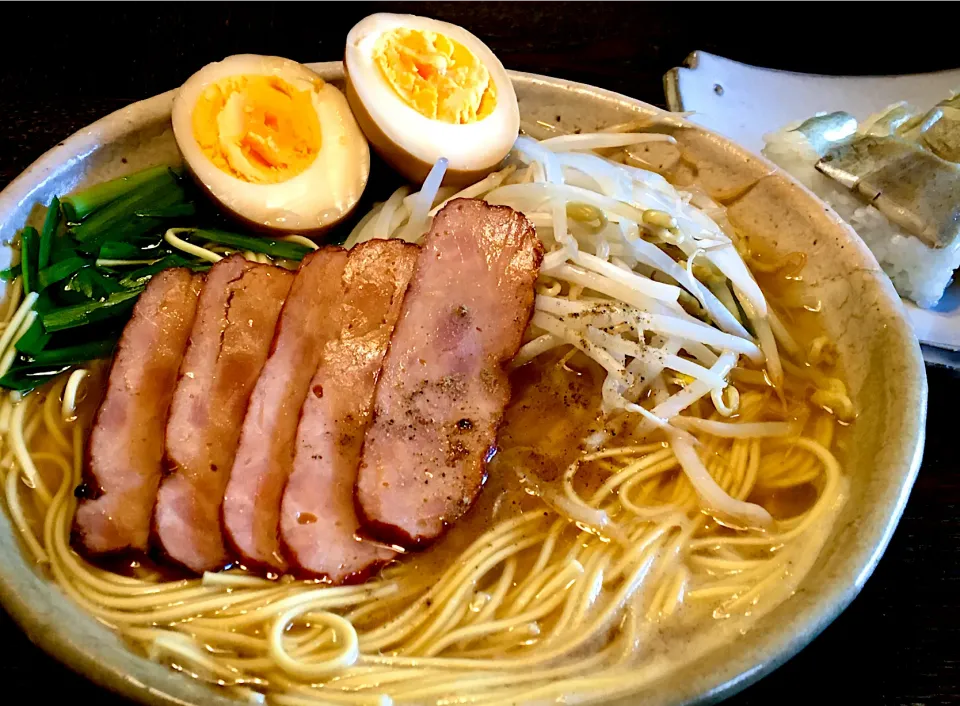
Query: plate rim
<point x="777" y="647"/>
<point x="939" y="334"/>
<point x="671" y="79"/>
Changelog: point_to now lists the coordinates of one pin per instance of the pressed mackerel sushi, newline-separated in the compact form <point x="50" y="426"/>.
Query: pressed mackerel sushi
<point x="889" y="179"/>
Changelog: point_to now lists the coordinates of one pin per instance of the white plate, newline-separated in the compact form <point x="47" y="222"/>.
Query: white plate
<point x="745" y="102"/>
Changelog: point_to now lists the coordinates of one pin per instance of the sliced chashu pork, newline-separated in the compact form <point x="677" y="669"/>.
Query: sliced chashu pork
<point x="264" y="458"/>
<point x="236" y="318"/>
<point x="318" y="521"/>
<point x="125" y="450"/>
<point x="442" y="389"/>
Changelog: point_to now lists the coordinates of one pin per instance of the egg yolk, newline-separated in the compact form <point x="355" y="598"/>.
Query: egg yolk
<point x="260" y="129"/>
<point x="439" y="78"/>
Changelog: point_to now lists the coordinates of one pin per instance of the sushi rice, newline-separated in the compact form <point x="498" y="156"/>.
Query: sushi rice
<point x="919" y="273"/>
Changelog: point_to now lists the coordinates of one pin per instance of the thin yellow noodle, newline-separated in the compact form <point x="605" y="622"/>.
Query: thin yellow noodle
<point x="203" y="253"/>
<point x="222" y="638"/>
<point x="832" y="469"/>
<point x="179" y="645"/>
<point x="631" y="471"/>
<point x="358" y="679"/>
<point x="447" y="621"/>
<point x="451" y="604"/>
<point x="799" y="468"/>
<point x="675" y="549"/>
<point x="347" y="653"/>
<point x="497" y="690"/>
<point x="19" y="446"/>
<point x="327" y="696"/>
<point x="650" y="537"/>
<point x="604" y="617"/>
<point x="593" y="686"/>
<point x="584" y="593"/>
<point x="626" y="490"/>
<point x="549" y="597"/>
<point x="675" y="595"/>
<point x="724" y="565"/>
<point x="500" y="591"/>
<point x="525" y="593"/>
<point x="258" y="614"/>
<point x="299" y="240"/>
<point x="16" y="320"/>
<point x="358" y="615"/>
<point x="7" y="361"/>
<point x="468" y="683"/>
<point x="779" y="569"/>
<point x="536" y="571"/>
<point x="14" y="291"/>
<point x="655" y="609"/>
<point x="401" y="626"/>
<point x="19" y="518"/>
<point x="321" y="636"/>
<point x="752" y="574"/>
<point x="684" y="495"/>
<point x="51" y="408"/>
<point x="713" y="592"/>
<point x="231" y="579"/>
<point x="786" y="461"/>
<point x="6" y="410"/>
<point x="789" y="480"/>
<point x="150" y="601"/>
<point x="68" y="409"/>
<point x="751" y="471"/>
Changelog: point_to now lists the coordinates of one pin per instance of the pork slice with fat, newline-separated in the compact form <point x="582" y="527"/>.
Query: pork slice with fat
<point x="442" y="389"/>
<point x="264" y="458"/>
<point x="236" y="318"/>
<point x="318" y="520"/>
<point x="125" y="450"/>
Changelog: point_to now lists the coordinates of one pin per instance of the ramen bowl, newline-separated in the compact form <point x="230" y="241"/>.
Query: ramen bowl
<point x="861" y="314"/>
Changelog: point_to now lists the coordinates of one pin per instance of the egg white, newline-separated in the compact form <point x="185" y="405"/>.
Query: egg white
<point x="469" y="147"/>
<point x="321" y="195"/>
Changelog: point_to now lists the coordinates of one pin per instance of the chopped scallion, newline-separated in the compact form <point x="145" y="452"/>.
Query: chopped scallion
<point x="29" y="246"/>
<point x="120" y="215"/>
<point x="60" y="271"/>
<point x="81" y="314"/>
<point x="48" y="233"/>
<point x="82" y="204"/>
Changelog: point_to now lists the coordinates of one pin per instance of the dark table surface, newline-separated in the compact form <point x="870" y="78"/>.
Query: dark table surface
<point x="899" y="642"/>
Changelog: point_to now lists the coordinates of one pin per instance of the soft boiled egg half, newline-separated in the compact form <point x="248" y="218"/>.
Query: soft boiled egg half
<point x="272" y="142"/>
<point x="422" y="89"/>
